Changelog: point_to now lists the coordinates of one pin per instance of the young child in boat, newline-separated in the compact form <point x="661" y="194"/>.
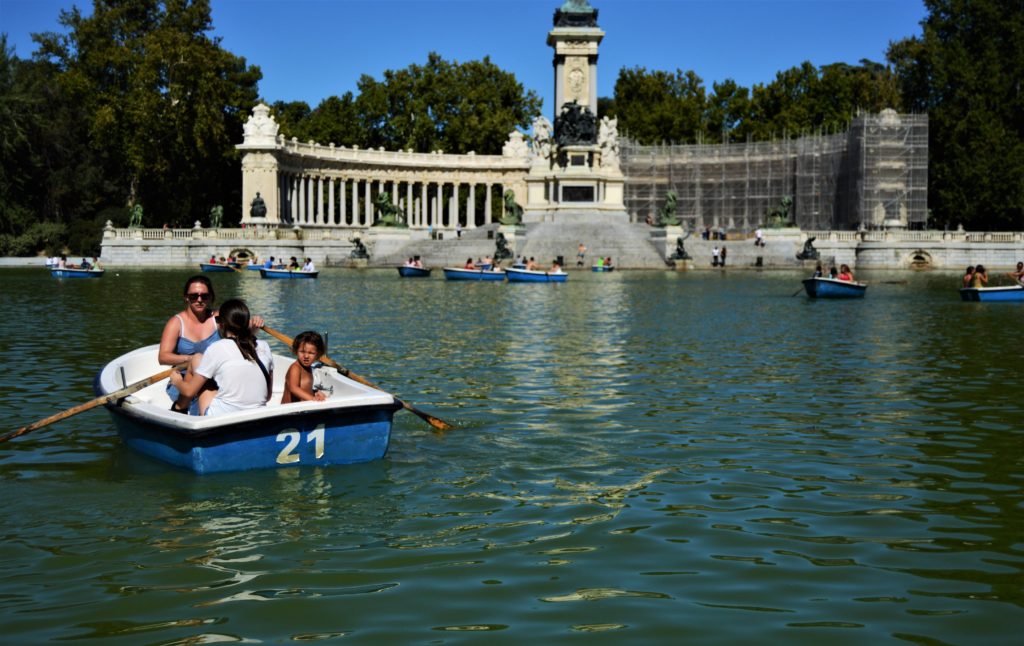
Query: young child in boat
<point x="298" y="381"/>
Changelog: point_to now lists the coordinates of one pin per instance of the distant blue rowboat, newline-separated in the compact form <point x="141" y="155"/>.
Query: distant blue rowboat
<point x="77" y="273"/>
<point x="413" y="272"/>
<point x="602" y="268"/>
<point x="215" y="267"/>
<point x="1014" y="293"/>
<point x="832" y="288"/>
<point x="352" y="425"/>
<point x="533" y="276"/>
<point x="458" y="273"/>
<point x="287" y="273"/>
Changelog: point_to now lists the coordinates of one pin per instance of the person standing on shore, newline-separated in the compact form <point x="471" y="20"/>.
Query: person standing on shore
<point x="721" y="258"/>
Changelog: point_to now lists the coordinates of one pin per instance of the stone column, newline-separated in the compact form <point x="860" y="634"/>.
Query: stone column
<point x="330" y="201"/>
<point x="293" y="202"/>
<point x="471" y="207"/>
<point x="342" y="184"/>
<point x="454" y="210"/>
<point x="408" y="204"/>
<point x="367" y="203"/>
<point x="318" y="216"/>
<point x="355" y="202"/>
<point x="487" y="203"/>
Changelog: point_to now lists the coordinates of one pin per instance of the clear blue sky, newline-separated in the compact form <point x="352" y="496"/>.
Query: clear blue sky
<point x="311" y="49"/>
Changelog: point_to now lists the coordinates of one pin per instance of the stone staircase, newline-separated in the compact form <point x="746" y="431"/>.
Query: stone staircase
<point x="629" y="245"/>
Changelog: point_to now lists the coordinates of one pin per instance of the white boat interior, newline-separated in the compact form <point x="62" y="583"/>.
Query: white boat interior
<point x="153" y="403"/>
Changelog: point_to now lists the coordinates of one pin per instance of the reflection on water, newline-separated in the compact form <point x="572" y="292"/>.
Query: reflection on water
<point x="637" y="456"/>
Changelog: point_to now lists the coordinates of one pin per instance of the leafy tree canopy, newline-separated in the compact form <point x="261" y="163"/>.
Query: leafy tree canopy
<point x="966" y="70"/>
<point x="441" y="105"/>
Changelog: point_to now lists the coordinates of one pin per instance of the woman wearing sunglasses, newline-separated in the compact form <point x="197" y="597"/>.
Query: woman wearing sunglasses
<point x="192" y="330"/>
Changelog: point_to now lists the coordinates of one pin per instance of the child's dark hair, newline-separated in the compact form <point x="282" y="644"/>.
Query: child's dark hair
<point x="233" y="318"/>
<point x="312" y="338"/>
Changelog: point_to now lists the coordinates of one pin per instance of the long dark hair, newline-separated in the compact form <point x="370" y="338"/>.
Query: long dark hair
<point x="233" y="320"/>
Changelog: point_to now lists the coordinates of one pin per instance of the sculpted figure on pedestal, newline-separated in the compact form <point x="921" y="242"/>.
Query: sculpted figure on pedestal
<point x="542" y="138"/>
<point x="258" y="208"/>
<point x="667" y="214"/>
<point x="389" y="215"/>
<point x="608" y="140"/>
<point x="136" y="217"/>
<point x="216" y="216"/>
<point x="513" y="212"/>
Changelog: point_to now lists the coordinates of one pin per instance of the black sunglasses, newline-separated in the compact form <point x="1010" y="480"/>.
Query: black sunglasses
<point x="192" y="298"/>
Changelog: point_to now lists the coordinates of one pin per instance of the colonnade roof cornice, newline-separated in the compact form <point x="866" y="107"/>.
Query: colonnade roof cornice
<point x="392" y="175"/>
<point x="370" y="159"/>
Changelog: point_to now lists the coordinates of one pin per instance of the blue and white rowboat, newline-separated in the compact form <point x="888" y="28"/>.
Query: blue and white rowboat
<point x="833" y="288"/>
<point x="534" y="276"/>
<point x="602" y="268"/>
<point x="459" y="273"/>
<point x="352" y="425"/>
<point x="287" y="273"/>
<point x="215" y="267"/>
<point x="76" y="273"/>
<point x="1012" y="293"/>
<point x="413" y="272"/>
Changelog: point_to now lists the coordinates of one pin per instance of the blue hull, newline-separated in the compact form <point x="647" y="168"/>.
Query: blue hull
<point x="602" y="268"/>
<point x="254" y="267"/>
<point x="413" y="272"/>
<point x="287" y="274"/>
<point x="76" y="273"/>
<point x="207" y="266"/>
<point x="308" y="439"/>
<point x="454" y="273"/>
<point x="831" y="288"/>
<point x="528" y="276"/>
<point x="1014" y="294"/>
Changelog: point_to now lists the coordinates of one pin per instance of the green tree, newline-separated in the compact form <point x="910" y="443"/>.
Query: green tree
<point x="441" y="105"/>
<point x="965" y="71"/>
<point x="660" y="106"/>
<point x="163" y="104"/>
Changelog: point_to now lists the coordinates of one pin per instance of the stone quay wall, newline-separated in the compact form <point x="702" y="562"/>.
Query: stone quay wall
<point x="334" y="247"/>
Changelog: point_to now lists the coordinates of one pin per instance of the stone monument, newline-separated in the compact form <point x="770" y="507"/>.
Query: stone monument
<point x="574" y="172"/>
<point x="261" y="149"/>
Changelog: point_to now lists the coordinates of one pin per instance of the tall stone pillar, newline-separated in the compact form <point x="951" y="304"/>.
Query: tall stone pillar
<point x="487" y="203"/>
<point x="261" y="151"/>
<point x="318" y="215"/>
<point x="368" y="203"/>
<point x="293" y="197"/>
<point x="454" y="210"/>
<point x="408" y="204"/>
<point x="471" y="206"/>
<point x="330" y="201"/>
<point x="342" y="210"/>
<point x="575" y="39"/>
<point x="355" y="202"/>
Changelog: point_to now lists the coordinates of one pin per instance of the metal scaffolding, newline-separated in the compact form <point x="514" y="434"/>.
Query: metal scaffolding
<point x="874" y="175"/>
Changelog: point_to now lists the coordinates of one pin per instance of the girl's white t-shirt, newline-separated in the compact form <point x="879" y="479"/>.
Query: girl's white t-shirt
<point x="240" y="382"/>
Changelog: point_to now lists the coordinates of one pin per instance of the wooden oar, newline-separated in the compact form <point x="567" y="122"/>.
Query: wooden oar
<point x="99" y="401"/>
<point x="437" y="423"/>
<point x="796" y="292"/>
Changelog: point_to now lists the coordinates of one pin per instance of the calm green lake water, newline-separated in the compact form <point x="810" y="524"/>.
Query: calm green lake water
<point x="644" y="457"/>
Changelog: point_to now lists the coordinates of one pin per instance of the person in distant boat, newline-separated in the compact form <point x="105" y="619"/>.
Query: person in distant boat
<point x="1018" y="275"/>
<point x="294" y="264"/>
<point x="469" y="264"/>
<point x="600" y="262"/>
<point x="833" y="273"/>
<point x="213" y="259"/>
<point x="63" y="262"/>
<point x="488" y="261"/>
<point x="241" y="366"/>
<point x="608" y="262"/>
<point x="96" y="263"/>
<point x="980" y="278"/>
<point x="308" y="265"/>
<point x="85" y="264"/>
<point x="300" y="382"/>
<point x="968" y="276"/>
<point x="555" y="267"/>
<point x="410" y="262"/>
<point x="268" y="263"/>
<point x="818" y="271"/>
<point x="845" y="273"/>
<point x="531" y="264"/>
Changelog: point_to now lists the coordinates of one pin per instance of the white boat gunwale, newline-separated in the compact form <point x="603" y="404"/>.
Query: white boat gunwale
<point x="152" y="406"/>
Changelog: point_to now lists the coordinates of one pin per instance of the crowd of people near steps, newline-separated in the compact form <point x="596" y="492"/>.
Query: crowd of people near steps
<point x="226" y="368"/>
